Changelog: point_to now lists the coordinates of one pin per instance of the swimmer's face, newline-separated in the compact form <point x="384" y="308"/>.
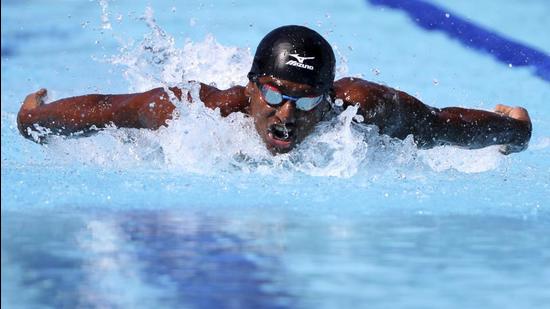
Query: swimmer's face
<point x="283" y="126"/>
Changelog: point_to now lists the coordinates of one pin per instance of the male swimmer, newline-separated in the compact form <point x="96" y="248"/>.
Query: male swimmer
<point x="291" y="88"/>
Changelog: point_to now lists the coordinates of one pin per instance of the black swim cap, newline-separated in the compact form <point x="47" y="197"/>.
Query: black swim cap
<point x="297" y="54"/>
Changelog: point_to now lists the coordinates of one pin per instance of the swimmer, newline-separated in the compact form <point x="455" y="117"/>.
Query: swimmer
<point x="291" y="89"/>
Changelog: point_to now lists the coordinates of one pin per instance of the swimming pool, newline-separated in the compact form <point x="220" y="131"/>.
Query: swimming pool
<point x="199" y="215"/>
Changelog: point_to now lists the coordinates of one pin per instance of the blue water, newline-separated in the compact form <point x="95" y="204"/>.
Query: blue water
<point x="198" y="215"/>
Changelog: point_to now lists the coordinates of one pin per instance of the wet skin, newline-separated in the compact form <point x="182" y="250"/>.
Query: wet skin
<point x="282" y="127"/>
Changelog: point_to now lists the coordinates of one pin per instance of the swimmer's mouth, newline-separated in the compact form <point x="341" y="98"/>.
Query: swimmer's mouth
<point x="280" y="135"/>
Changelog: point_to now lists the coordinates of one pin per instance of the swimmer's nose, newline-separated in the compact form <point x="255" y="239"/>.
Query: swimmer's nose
<point x="286" y="113"/>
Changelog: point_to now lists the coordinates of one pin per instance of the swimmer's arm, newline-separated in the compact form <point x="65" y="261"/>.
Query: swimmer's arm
<point x="149" y="110"/>
<point x="508" y="126"/>
<point x="81" y="114"/>
<point x="399" y="114"/>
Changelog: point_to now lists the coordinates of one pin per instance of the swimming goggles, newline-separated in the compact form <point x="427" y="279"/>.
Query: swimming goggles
<point x="274" y="97"/>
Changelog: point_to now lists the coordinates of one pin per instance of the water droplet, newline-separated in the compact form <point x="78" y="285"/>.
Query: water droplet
<point x="447" y="15"/>
<point x="339" y="102"/>
<point x="435" y="82"/>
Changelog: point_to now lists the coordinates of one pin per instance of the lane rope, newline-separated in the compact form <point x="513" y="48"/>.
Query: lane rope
<point x="433" y="18"/>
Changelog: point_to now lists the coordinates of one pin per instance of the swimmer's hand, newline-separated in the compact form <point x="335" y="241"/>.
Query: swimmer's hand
<point x="520" y="114"/>
<point x="25" y="115"/>
<point x="34" y="100"/>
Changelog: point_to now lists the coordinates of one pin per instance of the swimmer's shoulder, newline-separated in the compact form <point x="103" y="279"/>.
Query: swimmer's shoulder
<point x="229" y="100"/>
<point x="367" y="94"/>
<point x="377" y="103"/>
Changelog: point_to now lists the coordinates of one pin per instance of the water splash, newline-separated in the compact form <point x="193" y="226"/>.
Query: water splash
<point x="157" y="61"/>
<point x="105" y="23"/>
<point x="463" y="160"/>
<point x="335" y="149"/>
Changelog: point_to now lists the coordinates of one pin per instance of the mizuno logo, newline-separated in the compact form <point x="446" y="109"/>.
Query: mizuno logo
<point x="300" y="62"/>
<point x="300" y="59"/>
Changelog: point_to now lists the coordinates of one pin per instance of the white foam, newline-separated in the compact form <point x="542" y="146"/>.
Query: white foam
<point x="463" y="160"/>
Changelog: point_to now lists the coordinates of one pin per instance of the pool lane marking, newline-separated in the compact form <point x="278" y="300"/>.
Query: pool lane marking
<point x="507" y="51"/>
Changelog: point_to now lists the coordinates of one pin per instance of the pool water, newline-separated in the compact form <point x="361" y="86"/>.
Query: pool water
<point x="200" y="215"/>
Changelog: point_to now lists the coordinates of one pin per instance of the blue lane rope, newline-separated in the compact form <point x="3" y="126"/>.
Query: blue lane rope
<point x="507" y="51"/>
